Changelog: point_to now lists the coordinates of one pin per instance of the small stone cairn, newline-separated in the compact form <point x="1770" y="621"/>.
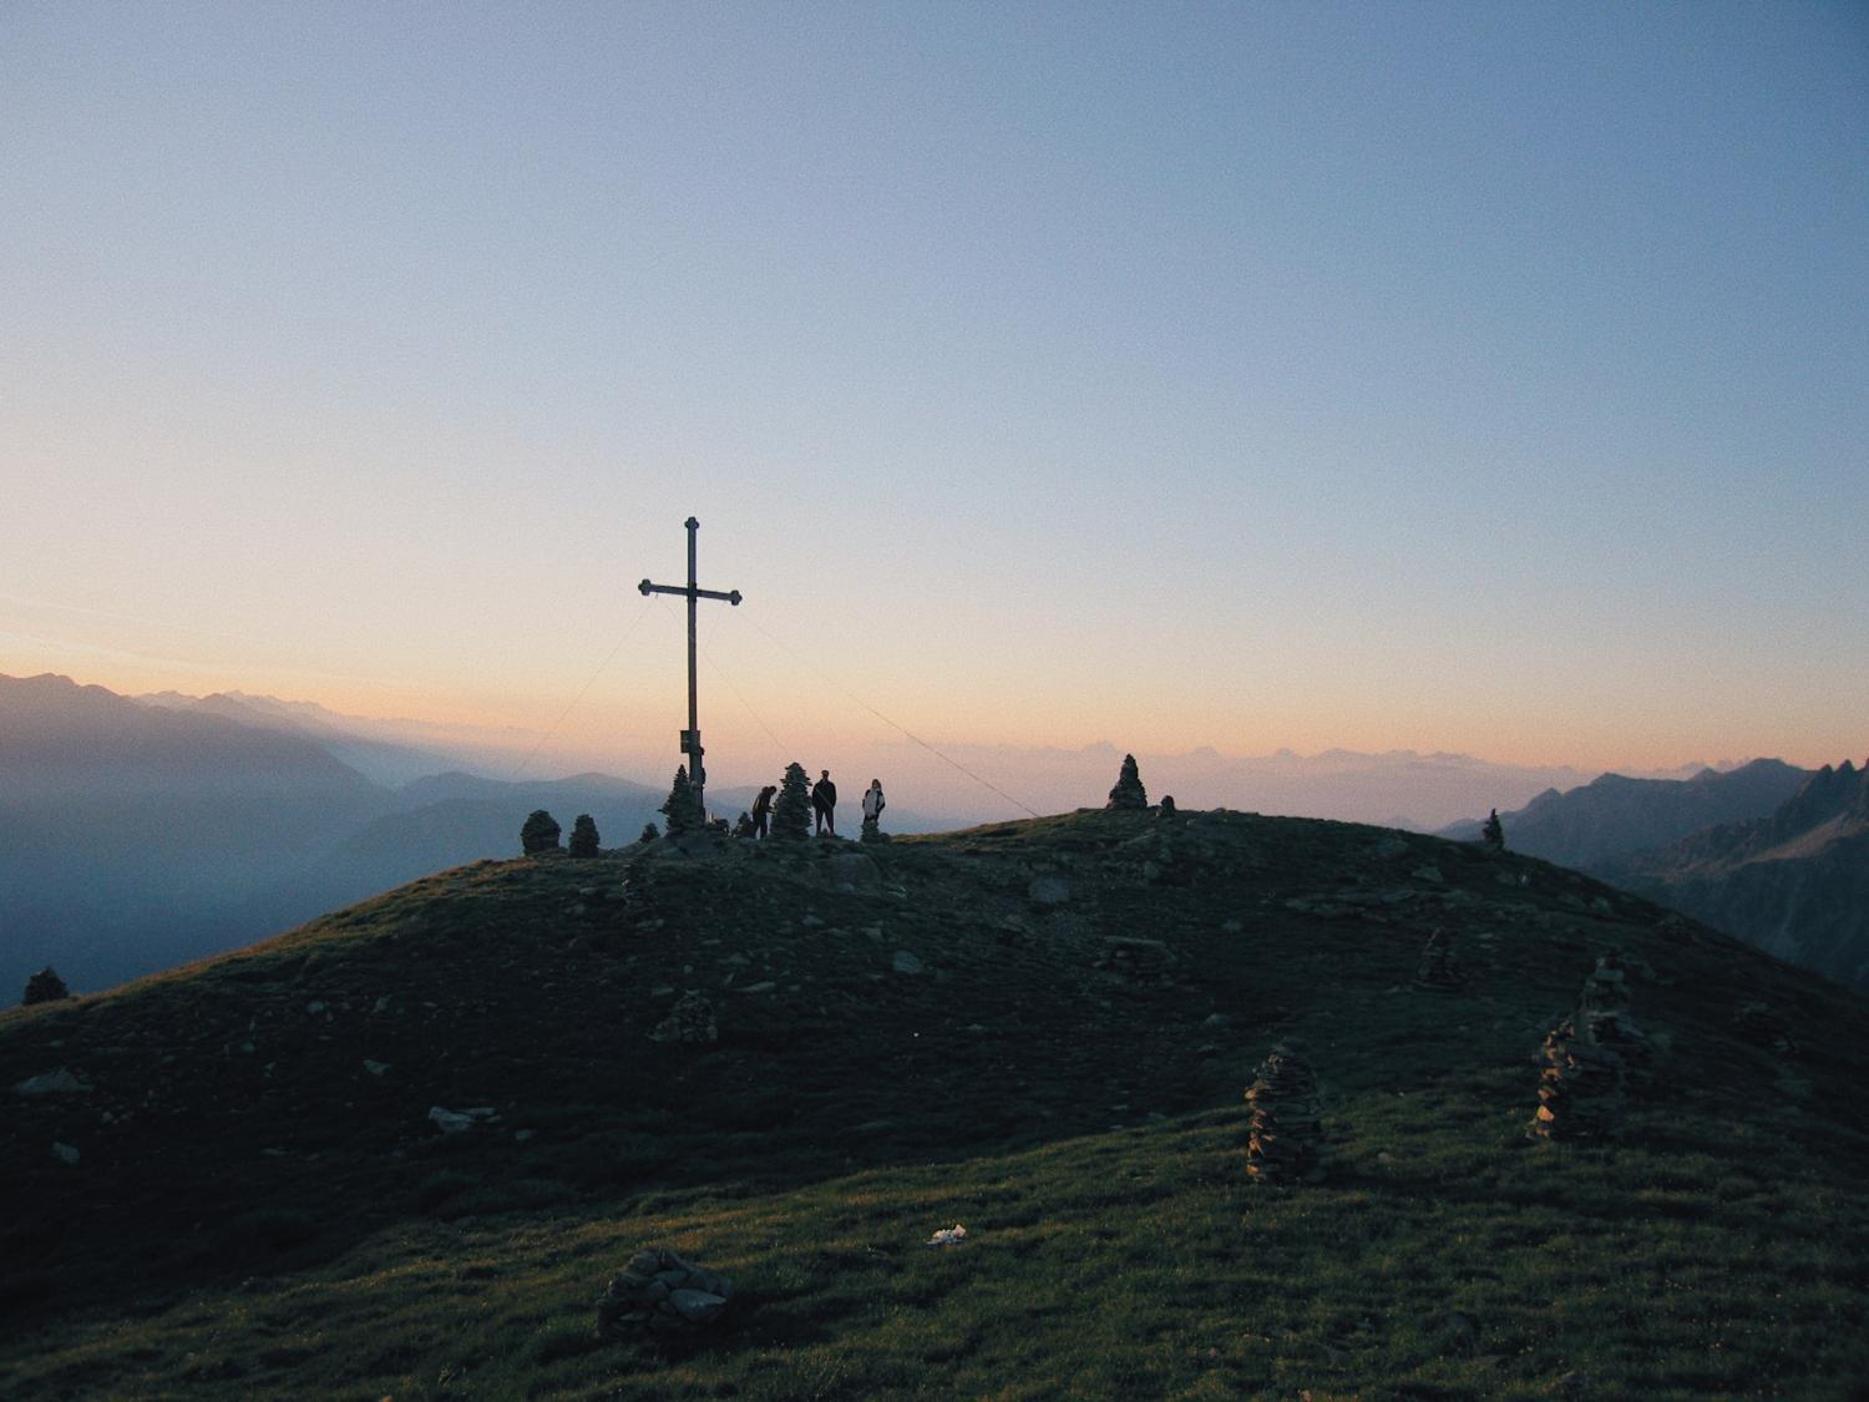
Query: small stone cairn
<point x="1603" y="1010"/>
<point x="1440" y="969"/>
<point x="45" y="987"/>
<point x="1129" y="792"/>
<point x="691" y="1022"/>
<point x="1579" y="1088"/>
<point x="660" y="1293"/>
<point x="1282" y="1146"/>
<point x="584" y="836"/>
<point x="539" y="834"/>
<point x="872" y="832"/>
<point x="1493" y="834"/>
<point x="1167" y="809"/>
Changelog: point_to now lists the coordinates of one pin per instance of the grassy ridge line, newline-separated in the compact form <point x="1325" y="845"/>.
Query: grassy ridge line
<point x="511" y="987"/>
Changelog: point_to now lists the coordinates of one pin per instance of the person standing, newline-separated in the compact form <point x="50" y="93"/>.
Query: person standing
<point x="873" y="803"/>
<point x="762" y="810"/>
<point x="824" y="803"/>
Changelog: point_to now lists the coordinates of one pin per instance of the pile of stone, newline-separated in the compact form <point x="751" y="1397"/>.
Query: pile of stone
<point x="539" y="833"/>
<point x="1129" y="792"/>
<point x="1764" y="1026"/>
<point x="1282" y="1145"/>
<point x="584" y="837"/>
<point x="1139" y="960"/>
<point x="691" y="1022"/>
<point x="1603" y="1010"/>
<point x="1579" y="1088"/>
<point x="1439" y="968"/>
<point x="871" y="832"/>
<point x="660" y="1293"/>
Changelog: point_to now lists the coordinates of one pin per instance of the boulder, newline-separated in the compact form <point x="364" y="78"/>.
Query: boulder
<point x="59" y="1082"/>
<point x="691" y="1022"/>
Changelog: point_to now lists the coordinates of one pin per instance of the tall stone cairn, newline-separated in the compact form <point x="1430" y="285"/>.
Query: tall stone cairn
<point x="659" y="1293"/>
<point x="684" y="814"/>
<point x="791" y="814"/>
<point x="1440" y="969"/>
<point x="1282" y="1144"/>
<point x="1129" y="792"/>
<point x="1579" y="1088"/>
<point x="539" y="834"/>
<point x="1603" y="1010"/>
<point x="584" y="836"/>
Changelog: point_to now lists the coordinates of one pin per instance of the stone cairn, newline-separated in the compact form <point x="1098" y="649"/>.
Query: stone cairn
<point x="45" y="987"/>
<point x="691" y="1022"/>
<point x="1129" y="792"/>
<point x="1440" y="969"/>
<point x="540" y="833"/>
<point x="660" y="1293"/>
<point x="1579" y="1089"/>
<point x="791" y="814"/>
<point x="1282" y="1146"/>
<point x="1493" y="833"/>
<point x="684" y="814"/>
<point x="872" y="832"/>
<point x="584" y="836"/>
<point x="1168" y="806"/>
<point x="1603" y="1010"/>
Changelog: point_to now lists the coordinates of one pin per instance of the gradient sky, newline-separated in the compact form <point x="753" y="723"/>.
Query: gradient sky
<point x="1477" y="377"/>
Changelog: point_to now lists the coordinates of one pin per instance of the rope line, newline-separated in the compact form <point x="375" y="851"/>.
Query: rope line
<point x="635" y="623"/>
<point x="822" y="675"/>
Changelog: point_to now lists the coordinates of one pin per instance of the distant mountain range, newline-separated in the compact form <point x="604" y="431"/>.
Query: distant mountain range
<point x="1771" y="853"/>
<point x="138" y="833"/>
<point x="1795" y="882"/>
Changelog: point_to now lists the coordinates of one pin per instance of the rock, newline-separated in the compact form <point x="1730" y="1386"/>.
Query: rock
<point x="659" y="1292"/>
<point x="59" y="1082"/>
<point x="871" y="832"/>
<point x="904" y="962"/>
<point x="1049" y="890"/>
<point x="1429" y="873"/>
<point x="1129" y="793"/>
<point x="459" y="1121"/>
<point x="313" y="1009"/>
<point x="852" y="871"/>
<point x="765" y="987"/>
<point x="1232" y="927"/>
<point x="375" y="1068"/>
<point x="1579" y="1090"/>
<point x="691" y="1022"/>
<point x="1216" y="1020"/>
<point x="66" y="1154"/>
<point x="1167" y="807"/>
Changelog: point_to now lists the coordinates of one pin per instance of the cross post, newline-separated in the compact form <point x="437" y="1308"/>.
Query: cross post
<point x="691" y="737"/>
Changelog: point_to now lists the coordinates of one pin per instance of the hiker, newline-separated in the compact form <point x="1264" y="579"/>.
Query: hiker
<point x="762" y="810"/>
<point x="874" y="802"/>
<point x="824" y="803"/>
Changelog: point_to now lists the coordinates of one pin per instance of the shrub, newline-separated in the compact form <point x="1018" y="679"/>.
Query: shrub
<point x="45" y="987"/>
<point x="540" y="833"/>
<point x="584" y="836"/>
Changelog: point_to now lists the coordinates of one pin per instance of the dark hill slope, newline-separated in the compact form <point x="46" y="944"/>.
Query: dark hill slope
<point x="1038" y="1029"/>
<point x="1795" y="883"/>
<point x="1612" y="817"/>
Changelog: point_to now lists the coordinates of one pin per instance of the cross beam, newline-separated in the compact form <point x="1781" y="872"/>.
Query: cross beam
<point x="691" y="737"/>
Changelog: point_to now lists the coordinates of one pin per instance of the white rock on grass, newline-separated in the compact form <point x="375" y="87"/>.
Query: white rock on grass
<point x="59" y="1082"/>
<point x="65" y="1154"/>
<point x="906" y="963"/>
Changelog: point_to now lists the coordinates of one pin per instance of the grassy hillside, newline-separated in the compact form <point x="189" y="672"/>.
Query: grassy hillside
<point x="952" y="1029"/>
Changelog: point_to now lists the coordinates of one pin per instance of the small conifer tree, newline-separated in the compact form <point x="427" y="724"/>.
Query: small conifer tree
<point x="1493" y="833"/>
<point x="584" y="836"/>
<point x="791" y="815"/>
<point x="45" y="987"/>
<point x="684" y="814"/>
<point x="540" y="833"/>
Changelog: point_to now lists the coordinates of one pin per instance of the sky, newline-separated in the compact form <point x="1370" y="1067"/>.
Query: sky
<point x="1479" y="378"/>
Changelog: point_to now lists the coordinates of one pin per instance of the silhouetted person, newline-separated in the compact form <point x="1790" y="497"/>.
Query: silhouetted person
<point x="762" y="810"/>
<point x="874" y="802"/>
<point x="824" y="803"/>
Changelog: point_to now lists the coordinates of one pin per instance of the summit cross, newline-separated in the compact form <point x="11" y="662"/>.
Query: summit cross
<point x="691" y="737"/>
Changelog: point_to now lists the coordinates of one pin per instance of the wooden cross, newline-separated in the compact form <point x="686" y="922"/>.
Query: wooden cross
<point x="691" y="737"/>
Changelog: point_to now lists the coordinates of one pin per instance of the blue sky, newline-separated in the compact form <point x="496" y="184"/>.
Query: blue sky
<point x="1474" y="377"/>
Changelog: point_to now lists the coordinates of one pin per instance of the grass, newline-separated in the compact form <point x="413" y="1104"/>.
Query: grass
<point x="1084" y="1125"/>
